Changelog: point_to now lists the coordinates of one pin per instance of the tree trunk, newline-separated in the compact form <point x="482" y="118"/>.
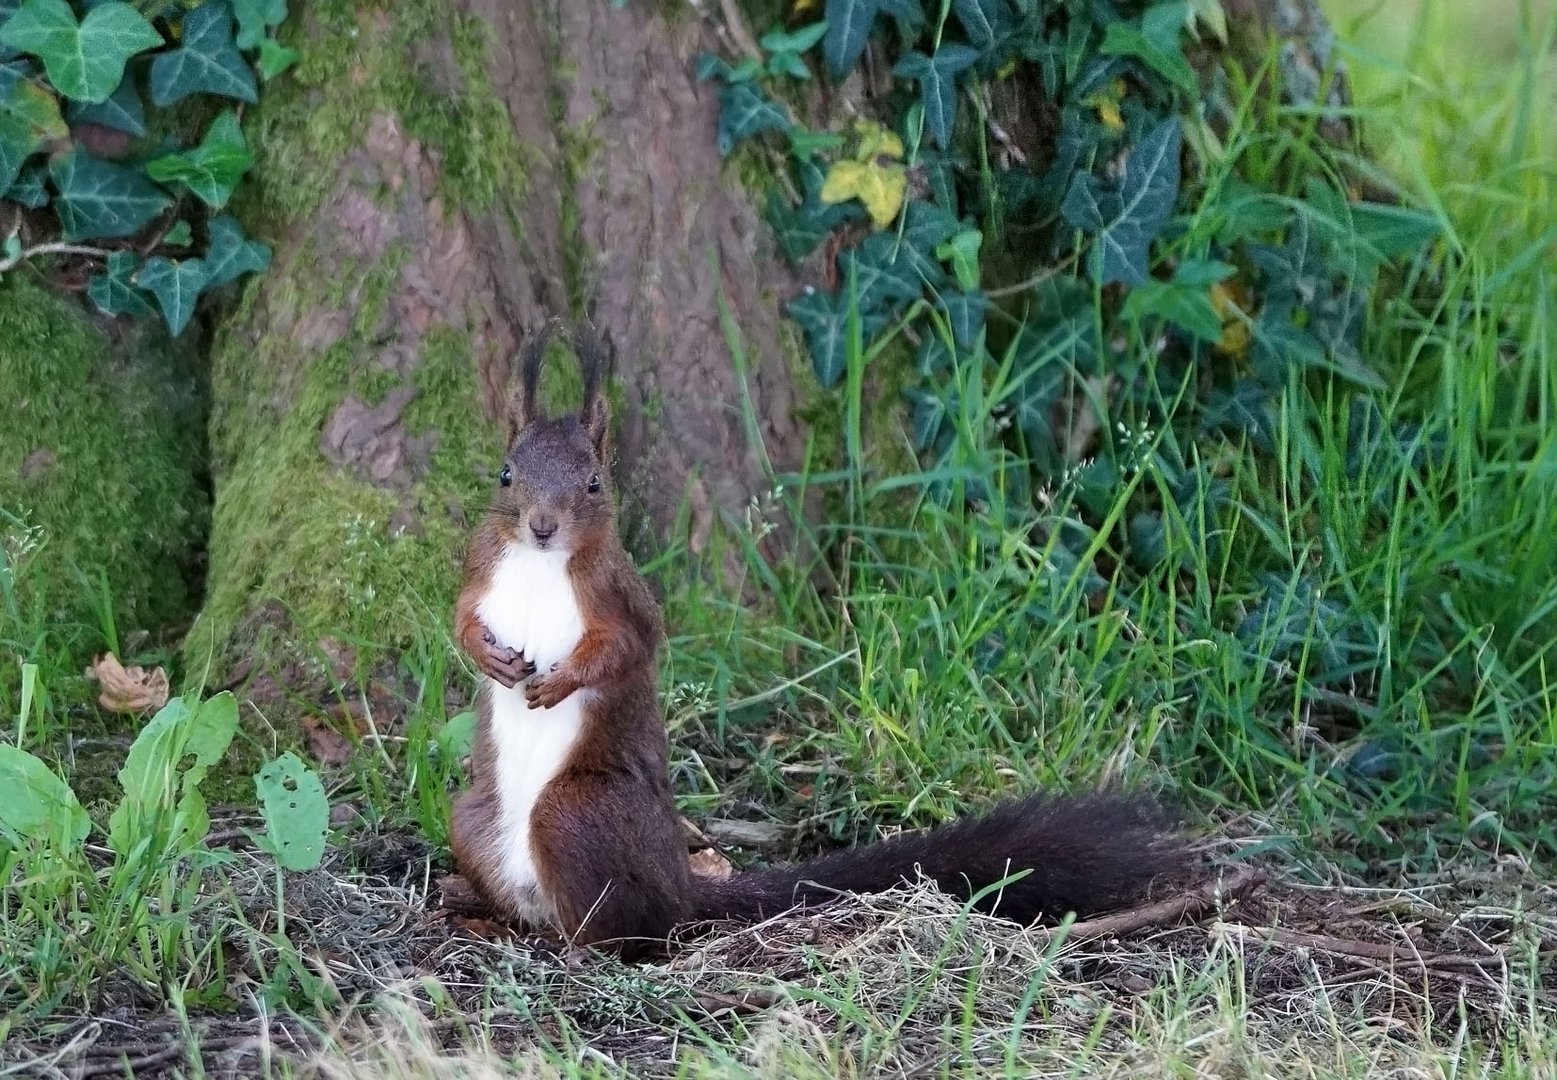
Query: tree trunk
<point x="434" y="178"/>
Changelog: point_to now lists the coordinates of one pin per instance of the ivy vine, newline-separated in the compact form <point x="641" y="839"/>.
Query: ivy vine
<point x="147" y="212"/>
<point x="1086" y="256"/>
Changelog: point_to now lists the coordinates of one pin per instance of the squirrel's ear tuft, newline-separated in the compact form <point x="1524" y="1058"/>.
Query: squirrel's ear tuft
<point x="596" y="355"/>
<point x="522" y="406"/>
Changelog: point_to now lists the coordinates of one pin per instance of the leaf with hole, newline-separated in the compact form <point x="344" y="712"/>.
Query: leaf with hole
<point x="937" y="78"/>
<point x="206" y="61"/>
<point x="746" y="112"/>
<point x="211" y="170"/>
<point x="1155" y="41"/>
<point x="1125" y="218"/>
<point x="296" y="811"/>
<point x="122" y="111"/>
<point x="35" y="804"/>
<point x="85" y="59"/>
<point x="29" y="117"/>
<point x="176" y="285"/>
<point x="229" y="254"/>
<point x="113" y="292"/>
<point x="100" y="200"/>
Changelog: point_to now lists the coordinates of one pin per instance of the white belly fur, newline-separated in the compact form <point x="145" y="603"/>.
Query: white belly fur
<point x="531" y="606"/>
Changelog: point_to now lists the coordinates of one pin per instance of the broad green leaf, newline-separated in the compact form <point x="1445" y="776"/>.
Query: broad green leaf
<point x="879" y="186"/>
<point x="112" y="290"/>
<point x="745" y="111"/>
<point x="1156" y="42"/>
<point x="176" y="285"/>
<point x="35" y="804"/>
<point x="274" y="58"/>
<point x="122" y="111"/>
<point x="297" y="813"/>
<point x="212" y="169"/>
<point x="985" y="21"/>
<point x="1362" y="236"/>
<point x="1184" y="306"/>
<point x="848" y="29"/>
<point x="29" y="117"/>
<point x="786" y="48"/>
<point x="7" y="9"/>
<point x="457" y="735"/>
<point x="256" y="19"/>
<point x="797" y="233"/>
<point x="937" y="78"/>
<point x="98" y="199"/>
<point x="85" y="60"/>
<point x="713" y="66"/>
<point x="182" y="234"/>
<point x="229" y="255"/>
<point x="1127" y="218"/>
<point x="206" y="62"/>
<point x="806" y="144"/>
<point x="825" y="319"/>
<point x="161" y="793"/>
<point x="928" y="416"/>
<point x="28" y="189"/>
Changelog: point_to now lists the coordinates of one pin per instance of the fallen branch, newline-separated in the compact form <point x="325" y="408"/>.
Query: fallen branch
<point x="1190" y="905"/>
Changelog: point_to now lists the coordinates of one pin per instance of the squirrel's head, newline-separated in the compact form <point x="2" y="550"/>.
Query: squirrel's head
<point x="554" y="488"/>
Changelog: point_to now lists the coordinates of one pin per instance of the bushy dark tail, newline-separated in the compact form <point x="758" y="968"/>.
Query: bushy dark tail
<point x="1086" y="854"/>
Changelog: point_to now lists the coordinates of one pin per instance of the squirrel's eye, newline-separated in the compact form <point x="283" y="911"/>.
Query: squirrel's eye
<point x="594" y="483"/>
<point x="505" y="477"/>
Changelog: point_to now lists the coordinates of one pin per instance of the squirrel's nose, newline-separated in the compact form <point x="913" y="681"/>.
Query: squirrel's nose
<point x="544" y="528"/>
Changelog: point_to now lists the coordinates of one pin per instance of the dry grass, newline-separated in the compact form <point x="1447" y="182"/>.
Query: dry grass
<point x="1290" y="980"/>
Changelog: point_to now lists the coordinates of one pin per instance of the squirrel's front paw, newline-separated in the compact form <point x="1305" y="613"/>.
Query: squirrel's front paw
<point x="545" y="691"/>
<point x="506" y="666"/>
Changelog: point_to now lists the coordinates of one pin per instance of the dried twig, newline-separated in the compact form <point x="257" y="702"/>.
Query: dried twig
<point x="1364" y="950"/>
<point x="1166" y="913"/>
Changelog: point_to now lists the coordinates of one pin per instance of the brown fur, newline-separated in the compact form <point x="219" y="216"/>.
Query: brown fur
<point x="605" y="835"/>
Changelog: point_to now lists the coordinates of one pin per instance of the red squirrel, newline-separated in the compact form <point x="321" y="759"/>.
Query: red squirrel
<point x="570" y="823"/>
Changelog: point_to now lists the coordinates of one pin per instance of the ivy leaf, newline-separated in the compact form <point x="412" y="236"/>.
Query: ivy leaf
<point x="176" y="285"/>
<point x="848" y="28"/>
<point x="1125" y="220"/>
<point x="965" y="311"/>
<point x="85" y="60"/>
<point x="745" y="111"/>
<point x="807" y="144"/>
<point x="230" y="255"/>
<point x="962" y="251"/>
<point x="1362" y="236"/>
<point x="274" y="58"/>
<point x="927" y="226"/>
<point x="884" y="272"/>
<point x="7" y="9"/>
<point x="786" y="48"/>
<point x="985" y="21"/>
<point x="1185" y="301"/>
<point x="713" y="66"/>
<point x="180" y="235"/>
<point x="256" y="19"/>
<point x="99" y="200"/>
<point x="1155" y="42"/>
<point x="880" y="186"/>
<point x="122" y="111"/>
<point x="29" y="116"/>
<point x="296" y="811"/>
<point x="937" y="79"/>
<point x="207" y="62"/>
<point x="211" y="170"/>
<point x="112" y="290"/>
<point x="28" y="190"/>
<point x="797" y="232"/>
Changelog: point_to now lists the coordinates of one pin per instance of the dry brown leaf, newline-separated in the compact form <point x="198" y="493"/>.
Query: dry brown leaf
<point x="326" y="745"/>
<point x="128" y="690"/>
<point x="709" y="863"/>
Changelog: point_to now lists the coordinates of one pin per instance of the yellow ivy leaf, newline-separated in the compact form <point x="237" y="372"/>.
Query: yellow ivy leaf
<point x="804" y="6"/>
<point x="1231" y="302"/>
<point x="877" y="141"/>
<point x="881" y="187"/>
